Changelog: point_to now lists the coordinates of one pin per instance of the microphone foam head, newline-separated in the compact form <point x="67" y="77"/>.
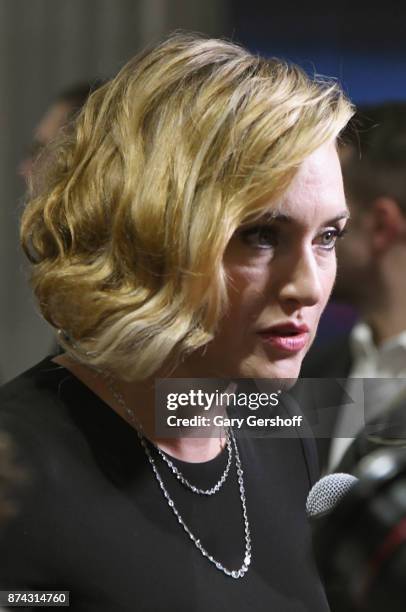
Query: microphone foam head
<point x="327" y="492"/>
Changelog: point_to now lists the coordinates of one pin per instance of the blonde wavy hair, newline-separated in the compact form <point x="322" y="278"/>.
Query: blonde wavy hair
<point x="135" y="206"/>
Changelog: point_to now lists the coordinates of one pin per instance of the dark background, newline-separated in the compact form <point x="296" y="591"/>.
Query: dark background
<point x="360" y="43"/>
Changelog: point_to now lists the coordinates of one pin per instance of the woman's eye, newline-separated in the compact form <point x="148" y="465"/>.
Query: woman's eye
<point x="262" y="237"/>
<point x="327" y="240"/>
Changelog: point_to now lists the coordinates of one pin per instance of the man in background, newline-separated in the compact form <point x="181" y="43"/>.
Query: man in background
<point x="371" y="277"/>
<point x="59" y="114"/>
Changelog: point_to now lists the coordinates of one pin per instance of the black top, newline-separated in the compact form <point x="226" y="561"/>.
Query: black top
<point x="93" y="520"/>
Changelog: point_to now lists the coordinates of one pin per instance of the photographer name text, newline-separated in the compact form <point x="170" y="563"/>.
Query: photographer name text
<point x="224" y="421"/>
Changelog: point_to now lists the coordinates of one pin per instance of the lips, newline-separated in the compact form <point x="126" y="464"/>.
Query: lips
<point x="288" y="337"/>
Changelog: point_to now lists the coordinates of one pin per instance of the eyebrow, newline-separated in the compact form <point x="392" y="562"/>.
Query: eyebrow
<point x="274" y="215"/>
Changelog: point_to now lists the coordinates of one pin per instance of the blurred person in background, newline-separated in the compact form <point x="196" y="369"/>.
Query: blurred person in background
<point x="186" y="228"/>
<point x="59" y="114"/>
<point x="371" y="277"/>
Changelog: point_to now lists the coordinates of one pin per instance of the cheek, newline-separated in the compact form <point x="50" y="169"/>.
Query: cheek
<point x="248" y="275"/>
<point x="247" y="289"/>
<point x="328" y="277"/>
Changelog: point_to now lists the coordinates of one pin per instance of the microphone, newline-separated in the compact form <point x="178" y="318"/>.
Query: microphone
<point x="327" y="492"/>
<point x="359" y="534"/>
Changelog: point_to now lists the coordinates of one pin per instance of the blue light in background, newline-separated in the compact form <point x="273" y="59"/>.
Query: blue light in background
<point x="367" y="78"/>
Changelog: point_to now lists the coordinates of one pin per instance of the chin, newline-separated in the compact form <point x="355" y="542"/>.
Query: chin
<point x="286" y="370"/>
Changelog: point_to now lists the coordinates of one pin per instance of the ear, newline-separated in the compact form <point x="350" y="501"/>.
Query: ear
<point x="388" y="224"/>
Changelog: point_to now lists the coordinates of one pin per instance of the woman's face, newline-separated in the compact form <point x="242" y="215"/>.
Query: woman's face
<point x="281" y="270"/>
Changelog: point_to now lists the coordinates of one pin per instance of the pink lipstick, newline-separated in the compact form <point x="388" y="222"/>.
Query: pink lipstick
<point x="288" y="337"/>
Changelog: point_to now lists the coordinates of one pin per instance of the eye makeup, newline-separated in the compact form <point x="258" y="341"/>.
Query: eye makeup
<point x="268" y="235"/>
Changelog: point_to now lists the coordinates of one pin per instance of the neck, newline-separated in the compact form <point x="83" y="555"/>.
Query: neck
<point x="385" y="326"/>
<point x="192" y="450"/>
<point x="186" y="443"/>
<point x="387" y="315"/>
<point x="139" y="397"/>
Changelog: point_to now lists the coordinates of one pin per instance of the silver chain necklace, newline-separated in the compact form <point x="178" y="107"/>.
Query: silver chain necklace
<point x="185" y="481"/>
<point x="247" y="532"/>
<point x="131" y="415"/>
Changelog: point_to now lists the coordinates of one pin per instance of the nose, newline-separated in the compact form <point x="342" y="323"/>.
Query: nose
<point x="303" y="282"/>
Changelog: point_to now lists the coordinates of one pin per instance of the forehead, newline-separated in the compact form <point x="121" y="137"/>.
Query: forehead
<point x="316" y="192"/>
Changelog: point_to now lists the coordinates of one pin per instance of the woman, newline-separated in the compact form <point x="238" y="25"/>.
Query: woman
<point x="185" y="229"/>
